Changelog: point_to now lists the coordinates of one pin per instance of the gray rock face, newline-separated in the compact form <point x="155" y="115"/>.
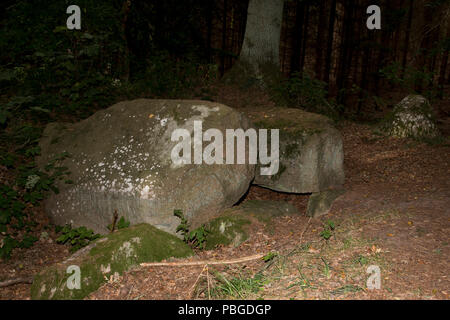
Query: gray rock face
<point x="320" y="203"/>
<point x="311" y="152"/>
<point x="412" y="117"/>
<point x="120" y="159"/>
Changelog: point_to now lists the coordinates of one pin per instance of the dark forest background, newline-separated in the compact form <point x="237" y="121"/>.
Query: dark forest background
<point x="176" y="49"/>
<point x="163" y="48"/>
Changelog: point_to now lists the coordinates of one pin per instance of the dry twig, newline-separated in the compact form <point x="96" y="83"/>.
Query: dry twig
<point x="11" y="282"/>
<point x="202" y="262"/>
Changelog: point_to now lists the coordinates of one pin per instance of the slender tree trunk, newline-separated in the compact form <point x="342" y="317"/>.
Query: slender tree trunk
<point x="329" y="52"/>
<point x="407" y="36"/>
<point x="365" y="67"/>
<point x="298" y="37"/>
<point x="224" y="37"/>
<point x="124" y="61"/>
<point x="444" y="62"/>
<point x="420" y="84"/>
<point x="320" y="40"/>
<point x="345" y="54"/>
<point x="209" y="13"/>
<point x="304" y="37"/>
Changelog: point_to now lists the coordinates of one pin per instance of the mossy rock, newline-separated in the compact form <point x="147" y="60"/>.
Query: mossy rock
<point x="411" y="117"/>
<point x="227" y="230"/>
<point x="108" y="257"/>
<point x="311" y="151"/>
<point x="232" y="227"/>
<point x="320" y="203"/>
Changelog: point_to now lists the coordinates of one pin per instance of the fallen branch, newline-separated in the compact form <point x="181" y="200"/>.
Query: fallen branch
<point x="202" y="262"/>
<point x="11" y="282"/>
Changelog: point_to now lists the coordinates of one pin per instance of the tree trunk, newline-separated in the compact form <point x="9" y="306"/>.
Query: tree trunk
<point x="407" y="35"/>
<point x="262" y="36"/>
<point x="304" y="37"/>
<point x="345" y="53"/>
<point x="224" y="37"/>
<point x="298" y="37"/>
<point x="327" y="70"/>
<point x="209" y="17"/>
<point x="444" y="62"/>
<point x="320" y="40"/>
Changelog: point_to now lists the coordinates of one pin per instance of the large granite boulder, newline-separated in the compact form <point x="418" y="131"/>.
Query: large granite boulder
<point x="311" y="152"/>
<point x="120" y="159"/>
<point x="412" y="117"/>
<point x="311" y="156"/>
<point x="106" y="259"/>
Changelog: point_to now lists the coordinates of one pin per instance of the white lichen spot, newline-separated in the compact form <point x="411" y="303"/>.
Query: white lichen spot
<point x="136" y="240"/>
<point x="163" y="122"/>
<point x="106" y="269"/>
<point x="204" y="110"/>
<point x="126" y="250"/>
<point x="52" y="292"/>
<point x="223" y="226"/>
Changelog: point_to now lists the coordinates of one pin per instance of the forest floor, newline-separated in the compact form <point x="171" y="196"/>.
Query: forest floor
<point x="395" y="214"/>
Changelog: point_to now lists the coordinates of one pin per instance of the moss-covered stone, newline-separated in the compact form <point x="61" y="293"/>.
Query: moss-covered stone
<point x="108" y="257"/>
<point x="227" y="230"/>
<point x="320" y="203"/>
<point x="311" y="151"/>
<point x="411" y="117"/>
<point x="232" y="227"/>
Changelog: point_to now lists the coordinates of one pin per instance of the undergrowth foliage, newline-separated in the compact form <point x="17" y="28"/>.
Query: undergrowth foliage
<point x="26" y="191"/>
<point x="196" y="238"/>
<point x="77" y="238"/>
<point x="303" y="91"/>
<point x="49" y="73"/>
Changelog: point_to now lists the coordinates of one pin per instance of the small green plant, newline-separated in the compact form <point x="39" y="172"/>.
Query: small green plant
<point x="326" y="269"/>
<point x="9" y="243"/>
<point x="346" y="289"/>
<point x="77" y="238"/>
<point x="270" y="256"/>
<point x="328" y="229"/>
<point x="237" y="287"/>
<point x="362" y="260"/>
<point x="196" y="238"/>
<point x="121" y="224"/>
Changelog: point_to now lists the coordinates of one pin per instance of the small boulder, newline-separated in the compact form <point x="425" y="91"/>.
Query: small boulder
<point x="412" y="117"/>
<point x="106" y="259"/>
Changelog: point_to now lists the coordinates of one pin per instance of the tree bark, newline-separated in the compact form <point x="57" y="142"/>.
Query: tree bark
<point x="298" y="37"/>
<point x="224" y="37"/>
<point x="327" y="70"/>
<point x="304" y="37"/>
<point x="262" y="35"/>
<point x="407" y="36"/>
<point x="320" y="40"/>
